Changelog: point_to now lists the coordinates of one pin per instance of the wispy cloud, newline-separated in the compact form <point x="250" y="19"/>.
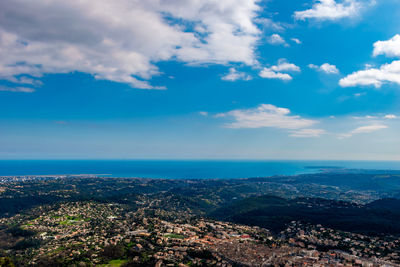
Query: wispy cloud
<point x="235" y="75"/>
<point x="357" y="95"/>
<point x="203" y="113"/>
<point x="308" y="133"/>
<point x="270" y="116"/>
<point x="390" y="116"/>
<point x="266" y="115"/>
<point x="297" y="41"/>
<point x="25" y="80"/>
<point x="364" y="129"/>
<point x="17" y="89"/>
<point x="269" y="24"/>
<point x="366" y="117"/>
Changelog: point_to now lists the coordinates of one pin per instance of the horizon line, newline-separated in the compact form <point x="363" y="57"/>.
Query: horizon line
<point x="192" y="159"/>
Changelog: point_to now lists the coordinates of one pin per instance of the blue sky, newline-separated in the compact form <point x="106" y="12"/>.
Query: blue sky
<point x="208" y="79"/>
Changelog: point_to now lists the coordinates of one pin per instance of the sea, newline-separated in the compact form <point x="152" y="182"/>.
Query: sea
<point x="182" y="169"/>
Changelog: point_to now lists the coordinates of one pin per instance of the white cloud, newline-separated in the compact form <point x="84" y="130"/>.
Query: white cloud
<point x="369" y="129"/>
<point x="364" y="129"/>
<point x="368" y="66"/>
<point x="329" y="69"/>
<point x="297" y="41"/>
<point x="386" y="73"/>
<point x="357" y="95"/>
<point x="330" y="10"/>
<point x="266" y="115"/>
<point x="25" y="80"/>
<point x="389" y="48"/>
<point x="269" y="24"/>
<point x="308" y="133"/>
<point x="269" y="74"/>
<point x="375" y="77"/>
<point x="203" y="113"/>
<point x="390" y="116"/>
<point x="275" y="72"/>
<point x="121" y="40"/>
<point x="326" y="67"/>
<point x="235" y="75"/>
<point x="17" y="89"/>
<point x="367" y="117"/>
<point x="276" y="39"/>
<point x="283" y="65"/>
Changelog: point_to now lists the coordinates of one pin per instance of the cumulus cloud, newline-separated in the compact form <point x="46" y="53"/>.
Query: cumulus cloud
<point x="283" y="65"/>
<point x="330" y="10"/>
<point x="364" y="129"/>
<point x="387" y="73"/>
<point x="16" y="89"/>
<point x="235" y="75"/>
<point x="266" y="115"/>
<point x="269" y="74"/>
<point x="389" y="48"/>
<point x="121" y="40"/>
<point x="308" y="133"/>
<point x="203" y="113"/>
<point x="276" y="71"/>
<point x="276" y="39"/>
<point x="326" y="68"/>
<point x="329" y="69"/>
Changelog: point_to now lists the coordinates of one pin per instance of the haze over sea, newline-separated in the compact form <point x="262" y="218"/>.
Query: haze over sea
<point x="180" y="169"/>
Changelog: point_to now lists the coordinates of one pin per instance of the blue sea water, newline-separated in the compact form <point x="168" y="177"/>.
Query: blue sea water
<point x="180" y="169"/>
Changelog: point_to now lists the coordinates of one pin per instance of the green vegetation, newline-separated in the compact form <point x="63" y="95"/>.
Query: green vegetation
<point x="75" y="218"/>
<point x="274" y="213"/>
<point x="17" y="231"/>
<point x="6" y="262"/>
<point x="114" y="263"/>
<point x="59" y="249"/>
<point x="70" y="220"/>
<point x="175" y="236"/>
<point x="67" y="222"/>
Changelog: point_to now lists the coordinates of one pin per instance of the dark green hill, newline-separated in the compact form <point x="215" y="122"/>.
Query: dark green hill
<point x="275" y="213"/>
<point x="391" y="204"/>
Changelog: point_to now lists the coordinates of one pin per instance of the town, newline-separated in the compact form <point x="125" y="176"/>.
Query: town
<point x="94" y="221"/>
<point x="89" y="233"/>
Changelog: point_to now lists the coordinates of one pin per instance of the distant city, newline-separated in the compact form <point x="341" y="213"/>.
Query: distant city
<point x="335" y="217"/>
